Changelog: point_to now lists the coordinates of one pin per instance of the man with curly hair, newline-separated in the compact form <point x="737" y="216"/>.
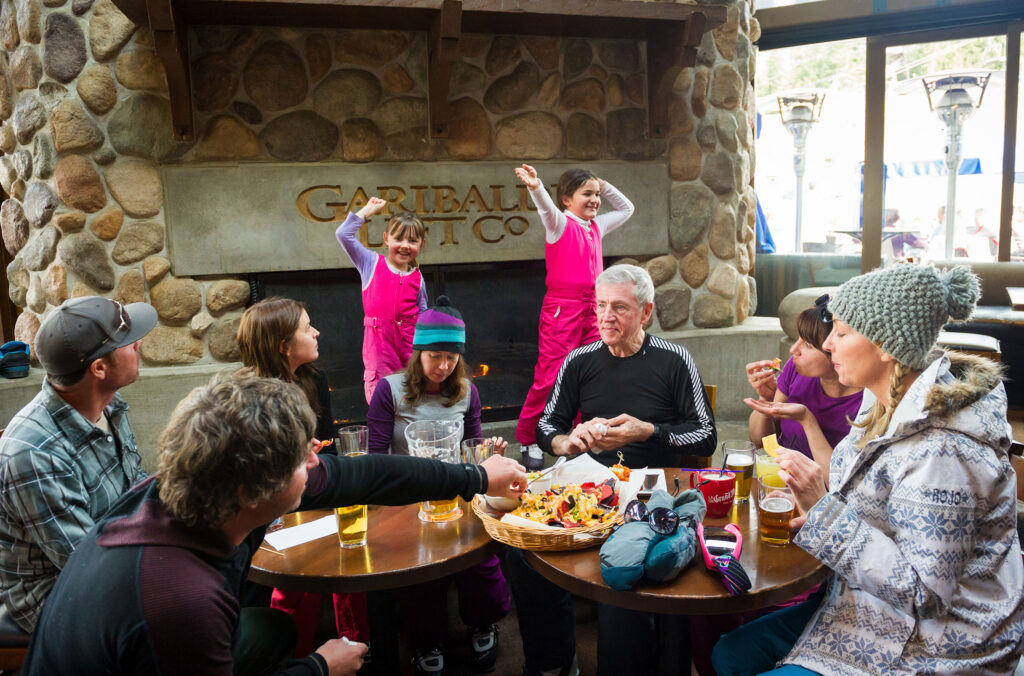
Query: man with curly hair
<point x="155" y="587"/>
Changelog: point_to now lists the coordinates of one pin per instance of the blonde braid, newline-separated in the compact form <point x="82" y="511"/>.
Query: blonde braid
<point x="878" y="420"/>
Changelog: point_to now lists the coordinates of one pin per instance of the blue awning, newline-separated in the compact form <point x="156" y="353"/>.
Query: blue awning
<point x="924" y="168"/>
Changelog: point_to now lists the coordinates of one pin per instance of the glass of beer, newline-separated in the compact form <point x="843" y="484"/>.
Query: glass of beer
<point x="739" y="457"/>
<point x="775" y="509"/>
<point x="439" y="440"/>
<point x="351" y="525"/>
<point x="353" y="440"/>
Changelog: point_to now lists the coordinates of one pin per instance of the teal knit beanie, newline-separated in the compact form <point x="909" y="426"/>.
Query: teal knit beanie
<point x="903" y="307"/>
<point x="440" y="328"/>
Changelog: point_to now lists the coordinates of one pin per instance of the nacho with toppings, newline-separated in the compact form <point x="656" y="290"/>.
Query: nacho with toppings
<point x="571" y="505"/>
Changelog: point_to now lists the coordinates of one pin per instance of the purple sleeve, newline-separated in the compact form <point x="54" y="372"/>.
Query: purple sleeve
<point x="421" y="297"/>
<point x="785" y="380"/>
<point x="348" y="237"/>
<point x="471" y="427"/>
<point x="380" y="418"/>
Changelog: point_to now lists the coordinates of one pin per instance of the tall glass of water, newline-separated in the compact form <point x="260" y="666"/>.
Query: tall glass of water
<point x="439" y="440"/>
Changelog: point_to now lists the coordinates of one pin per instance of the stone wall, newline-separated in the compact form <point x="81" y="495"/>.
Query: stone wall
<point x="86" y="124"/>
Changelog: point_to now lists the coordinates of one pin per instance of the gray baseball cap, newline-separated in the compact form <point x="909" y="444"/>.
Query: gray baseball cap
<point x="84" y="329"/>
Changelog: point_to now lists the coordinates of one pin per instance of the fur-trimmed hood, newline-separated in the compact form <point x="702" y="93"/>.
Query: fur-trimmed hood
<point x="959" y="392"/>
<point x="971" y="378"/>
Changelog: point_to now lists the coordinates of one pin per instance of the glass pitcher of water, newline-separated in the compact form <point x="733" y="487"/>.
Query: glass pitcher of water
<point x="439" y="440"/>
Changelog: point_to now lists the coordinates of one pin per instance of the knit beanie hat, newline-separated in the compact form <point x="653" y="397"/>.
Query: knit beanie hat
<point x="440" y="328"/>
<point x="903" y="307"/>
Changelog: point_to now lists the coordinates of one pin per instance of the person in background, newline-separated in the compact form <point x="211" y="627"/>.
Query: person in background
<point x="805" y="405"/>
<point x="434" y="387"/>
<point x="918" y="519"/>
<point x="154" y="587"/>
<point x="393" y="289"/>
<point x="70" y="453"/>
<point x="573" y="233"/>
<point x="277" y="340"/>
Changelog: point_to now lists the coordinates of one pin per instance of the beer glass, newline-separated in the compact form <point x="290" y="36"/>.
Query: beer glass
<point x="437" y="439"/>
<point x="351" y="525"/>
<point x="739" y="457"/>
<point x="353" y="440"/>
<point x="768" y="468"/>
<point x="775" y="509"/>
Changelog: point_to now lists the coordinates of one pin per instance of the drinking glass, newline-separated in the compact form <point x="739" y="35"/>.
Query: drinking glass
<point x="768" y="468"/>
<point x="477" y="449"/>
<point x="775" y="508"/>
<point x="739" y="457"/>
<point x="439" y="440"/>
<point x="354" y="440"/>
<point x="351" y="526"/>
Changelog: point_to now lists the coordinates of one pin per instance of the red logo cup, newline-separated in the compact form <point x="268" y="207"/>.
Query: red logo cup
<point x="718" y="490"/>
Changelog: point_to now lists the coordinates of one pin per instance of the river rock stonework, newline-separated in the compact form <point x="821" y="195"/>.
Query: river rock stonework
<point x="85" y="129"/>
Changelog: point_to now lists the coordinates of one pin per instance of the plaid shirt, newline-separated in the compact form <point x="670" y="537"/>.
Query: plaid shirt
<point x="59" y="474"/>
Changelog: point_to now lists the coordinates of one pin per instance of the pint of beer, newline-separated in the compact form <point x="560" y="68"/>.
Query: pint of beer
<point x="775" y="509"/>
<point x="739" y="457"/>
<point x="351" y="525"/>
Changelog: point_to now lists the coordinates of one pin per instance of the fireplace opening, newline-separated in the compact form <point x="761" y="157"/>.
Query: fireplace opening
<point x="499" y="301"/>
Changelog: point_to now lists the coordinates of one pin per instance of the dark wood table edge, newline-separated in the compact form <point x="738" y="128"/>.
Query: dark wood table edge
<point x="348" y="584"/>
<point x="640" y="598"/>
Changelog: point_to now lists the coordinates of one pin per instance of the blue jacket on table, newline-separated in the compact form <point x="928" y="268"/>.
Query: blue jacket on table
<point x="146" y="594"/>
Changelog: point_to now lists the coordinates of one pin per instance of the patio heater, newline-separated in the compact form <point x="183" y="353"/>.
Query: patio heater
<point x="799" y="111"/>
<point x="954" y="106"/>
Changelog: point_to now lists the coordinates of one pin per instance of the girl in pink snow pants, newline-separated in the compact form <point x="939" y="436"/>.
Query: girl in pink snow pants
<point x="393" y="289"/>
<point x="572" y="248"/>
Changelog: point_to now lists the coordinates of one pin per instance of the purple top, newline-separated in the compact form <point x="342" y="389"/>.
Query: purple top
<point x="381" y="416"/>
<point x="365" y="260"/>
<point x="830" y="412"/>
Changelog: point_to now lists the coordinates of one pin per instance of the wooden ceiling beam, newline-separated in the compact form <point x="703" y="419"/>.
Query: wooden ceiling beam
<point x="672" y="32"/>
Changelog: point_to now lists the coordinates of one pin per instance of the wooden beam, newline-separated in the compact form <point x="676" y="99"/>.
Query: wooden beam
<point x="444" y="52"/>
<point x="874" y="153"/>
<point x="171" y="41"/>
<point x="1009" y="140"/>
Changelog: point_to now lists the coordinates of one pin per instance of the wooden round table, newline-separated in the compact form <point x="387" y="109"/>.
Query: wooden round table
<point x="400" y="551"/>
<point x="777" y="573"/>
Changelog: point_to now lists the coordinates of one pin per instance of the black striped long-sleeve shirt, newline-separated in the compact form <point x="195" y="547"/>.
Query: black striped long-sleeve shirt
<point x="658" y="384"/>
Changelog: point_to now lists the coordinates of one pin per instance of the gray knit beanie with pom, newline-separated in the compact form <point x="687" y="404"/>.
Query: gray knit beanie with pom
<point x="902" y="308"/>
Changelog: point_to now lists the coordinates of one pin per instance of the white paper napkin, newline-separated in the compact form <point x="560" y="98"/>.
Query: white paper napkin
<point x="306" y="532"/>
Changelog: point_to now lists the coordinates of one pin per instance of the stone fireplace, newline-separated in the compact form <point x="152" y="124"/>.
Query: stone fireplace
<point x="105" y="184"/>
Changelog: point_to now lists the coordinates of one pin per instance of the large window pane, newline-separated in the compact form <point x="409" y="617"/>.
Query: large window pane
<point x="834" y="145"/>
<point x="917" y="186"/>
<point x="1017" y="248"/>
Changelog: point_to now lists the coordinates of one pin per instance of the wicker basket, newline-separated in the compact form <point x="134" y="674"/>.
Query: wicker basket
<point x="542" y="539"/>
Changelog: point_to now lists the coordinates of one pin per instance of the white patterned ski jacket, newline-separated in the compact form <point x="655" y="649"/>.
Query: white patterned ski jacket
<point x="920" y="531"/>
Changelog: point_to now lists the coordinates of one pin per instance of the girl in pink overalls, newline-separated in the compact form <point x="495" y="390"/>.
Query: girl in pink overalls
<point x="393" y="289"/>
<point x="572" y="248"/>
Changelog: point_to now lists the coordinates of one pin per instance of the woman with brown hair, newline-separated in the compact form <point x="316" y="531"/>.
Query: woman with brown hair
<point x="277" y="340"/>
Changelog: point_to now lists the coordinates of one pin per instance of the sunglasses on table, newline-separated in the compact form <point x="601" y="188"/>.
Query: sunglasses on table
<point x="662" y="520"/>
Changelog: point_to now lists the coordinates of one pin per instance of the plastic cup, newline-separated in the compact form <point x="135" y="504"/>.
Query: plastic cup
<point x="477" y="449"/>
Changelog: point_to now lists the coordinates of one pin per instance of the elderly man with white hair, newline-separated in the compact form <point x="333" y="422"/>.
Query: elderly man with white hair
<point x="638" y="394"/>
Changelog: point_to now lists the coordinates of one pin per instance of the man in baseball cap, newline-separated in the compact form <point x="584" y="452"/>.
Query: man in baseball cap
<point x="70" y="453"/>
